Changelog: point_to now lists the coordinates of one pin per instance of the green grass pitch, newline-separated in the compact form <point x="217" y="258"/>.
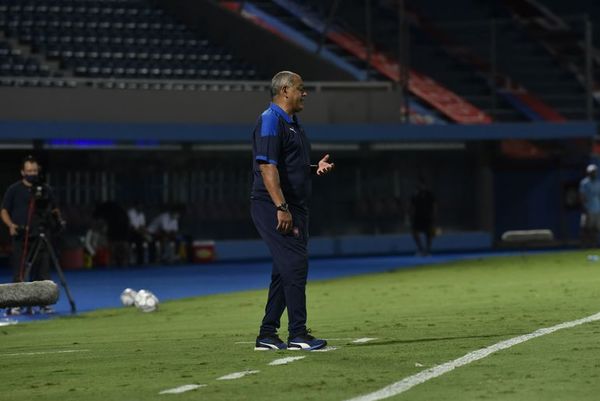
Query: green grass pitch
<point x="421" y="317"/>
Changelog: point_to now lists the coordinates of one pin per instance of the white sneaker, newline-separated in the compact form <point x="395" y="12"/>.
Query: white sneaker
<point x="44" y="310"/>
<point x="16" y="311"/>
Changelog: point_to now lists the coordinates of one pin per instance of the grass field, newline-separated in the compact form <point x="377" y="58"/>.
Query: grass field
<point x="421" y="317"/>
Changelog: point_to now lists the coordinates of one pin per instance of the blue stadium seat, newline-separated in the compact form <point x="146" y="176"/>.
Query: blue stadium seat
<point x="112" y="38"/>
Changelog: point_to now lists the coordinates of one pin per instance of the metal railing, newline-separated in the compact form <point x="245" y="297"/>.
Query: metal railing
<point x="192" y="85"/>
<point x="505" y="52"/>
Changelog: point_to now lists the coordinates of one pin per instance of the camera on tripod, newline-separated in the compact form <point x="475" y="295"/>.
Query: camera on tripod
<point x="39" y="190"/>
<point x="44" y="220"/>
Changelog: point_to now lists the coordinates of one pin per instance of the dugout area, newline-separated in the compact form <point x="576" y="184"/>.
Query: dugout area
<point x="485" y="187"/>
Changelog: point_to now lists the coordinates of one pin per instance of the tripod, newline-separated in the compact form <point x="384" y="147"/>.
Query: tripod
<point x="42" y="242"/>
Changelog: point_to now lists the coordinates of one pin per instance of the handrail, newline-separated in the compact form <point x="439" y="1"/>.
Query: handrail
<point x="140" y="83"/>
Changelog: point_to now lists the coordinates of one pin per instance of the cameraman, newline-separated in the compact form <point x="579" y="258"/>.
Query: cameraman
<point x="23" y="212"/>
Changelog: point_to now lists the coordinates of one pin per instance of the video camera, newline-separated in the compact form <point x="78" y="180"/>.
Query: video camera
<point x="43" y="219"/>
<point x="39" y="189"/>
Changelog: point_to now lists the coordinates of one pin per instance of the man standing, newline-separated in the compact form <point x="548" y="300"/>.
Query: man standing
<point x="422" y="217"/>
<point x="165" y="231"/>
<point x="23" y="215"/>
<point x="589" y="191"/>
<point x="280" y="195"/>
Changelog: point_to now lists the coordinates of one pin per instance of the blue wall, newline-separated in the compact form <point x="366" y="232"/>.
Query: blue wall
<point x="45" y="130"/>
<point x="527" y="199"/>
<point x="536" y="198"/>
<point x="358" y="245"/>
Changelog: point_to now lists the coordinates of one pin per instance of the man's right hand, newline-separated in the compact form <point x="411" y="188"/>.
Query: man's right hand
<point x="14" y="230"/>
<point x="284" y="222"/>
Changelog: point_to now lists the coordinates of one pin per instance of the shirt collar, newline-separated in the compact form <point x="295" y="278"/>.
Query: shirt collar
<point x="283" y="114"/>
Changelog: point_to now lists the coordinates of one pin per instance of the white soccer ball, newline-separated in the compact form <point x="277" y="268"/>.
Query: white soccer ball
<point x="146" y="301"/>
<point x="128" y="297"/>
<point x="139" y="297"/>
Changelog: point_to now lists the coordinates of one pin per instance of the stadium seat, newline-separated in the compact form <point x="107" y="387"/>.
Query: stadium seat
<point x="87" y="37"/>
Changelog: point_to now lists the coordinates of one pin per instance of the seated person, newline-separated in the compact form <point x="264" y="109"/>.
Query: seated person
<point x="165" y="229"/>
<point x="138" y="234"/>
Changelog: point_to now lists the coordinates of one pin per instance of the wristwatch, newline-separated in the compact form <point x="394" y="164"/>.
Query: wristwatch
<point x="283" y="207"/>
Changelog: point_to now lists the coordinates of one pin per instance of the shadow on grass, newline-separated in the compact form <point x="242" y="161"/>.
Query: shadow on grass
<point x="433" y="339"/>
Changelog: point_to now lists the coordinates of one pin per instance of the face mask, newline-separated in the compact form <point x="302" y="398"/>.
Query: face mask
<point x="32" y="179"/>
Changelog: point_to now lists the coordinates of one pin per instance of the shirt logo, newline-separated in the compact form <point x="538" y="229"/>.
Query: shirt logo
<point x="293" y="130"/>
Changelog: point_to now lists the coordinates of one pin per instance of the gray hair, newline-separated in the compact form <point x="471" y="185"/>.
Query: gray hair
<point x="281" y="79"/>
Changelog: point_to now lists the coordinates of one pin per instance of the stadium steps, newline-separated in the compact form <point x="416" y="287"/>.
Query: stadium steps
<point x="53" y="67"/>
<point x="518" y="54"/>
<point x="501" y="111"/>
<point x="577" y="8"/>
<point x="436" y="63"/>
<point x="459" y="77"/>
<point x="17" y="65"/>
<point x="560" y="25"/>
<point x="291" y="20"/>
<point x="282" y="13"/>
<point x="425" y="56"/>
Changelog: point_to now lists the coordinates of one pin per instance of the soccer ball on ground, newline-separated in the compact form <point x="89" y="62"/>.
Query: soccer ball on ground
<point x="146" y="301"/>
<point x="128" y="297"/>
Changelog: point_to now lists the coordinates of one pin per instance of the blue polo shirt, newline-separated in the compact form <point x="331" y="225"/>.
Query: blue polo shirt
<point x="279" y="139"/>
<point x="591" y="190"/>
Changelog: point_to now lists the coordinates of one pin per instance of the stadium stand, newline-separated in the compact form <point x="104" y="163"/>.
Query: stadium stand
<point x="117" y="39"/>
<point x="519" y="55"/>
<point x="566" y="30"/>
<point x="141" y="40"/>
<point x="529" y="83"/>
<point x="14" y="63"/>
<point x="297" y="25"/>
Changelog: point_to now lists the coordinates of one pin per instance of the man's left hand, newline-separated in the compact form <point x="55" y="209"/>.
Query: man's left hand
<point x="324" y="166"/>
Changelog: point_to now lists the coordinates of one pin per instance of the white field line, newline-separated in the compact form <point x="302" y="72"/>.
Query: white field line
<point x="238" y="375"/>
<point x="8" y="322"/>
<point x="409" y="382"/>
<point x="363" y="340"/>
<point x="284" y="361"/>
<point x="326" y="349"/>
<point x="66" y="351"/>
<point x="182" y="389"/>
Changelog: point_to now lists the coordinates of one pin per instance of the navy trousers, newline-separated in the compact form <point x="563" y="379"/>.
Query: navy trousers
<point x="290" y="267"/>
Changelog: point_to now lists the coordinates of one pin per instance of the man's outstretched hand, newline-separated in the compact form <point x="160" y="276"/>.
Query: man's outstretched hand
<point x="324" y="166"/>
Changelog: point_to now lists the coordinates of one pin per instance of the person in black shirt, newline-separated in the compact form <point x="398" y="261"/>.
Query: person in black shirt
<point x="23" y="216"/>
<point x="279" y="208"/>
<point x="422" y="216"/>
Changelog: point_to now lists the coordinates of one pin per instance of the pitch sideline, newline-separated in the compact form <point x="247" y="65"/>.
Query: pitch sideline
<point x="411" y="381"/>
<point x="66" y="351"/>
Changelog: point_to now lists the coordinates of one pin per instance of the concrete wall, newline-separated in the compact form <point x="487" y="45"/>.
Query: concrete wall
<point x="188" y="107"/>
